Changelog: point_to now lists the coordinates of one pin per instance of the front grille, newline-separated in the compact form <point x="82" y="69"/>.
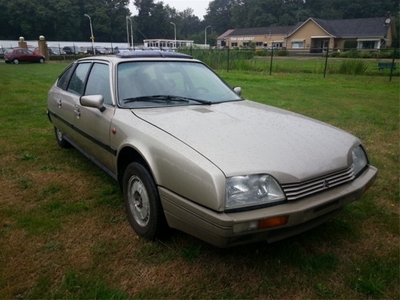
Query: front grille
<point x="295" y="191"/>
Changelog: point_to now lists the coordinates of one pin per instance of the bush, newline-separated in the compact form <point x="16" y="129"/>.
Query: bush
<point x="260" y="52"/>
<point x="335" y="54"/>
<point x="283" y="53"/>
<point x="353" y="67"/>
<point x="365" y="54"/>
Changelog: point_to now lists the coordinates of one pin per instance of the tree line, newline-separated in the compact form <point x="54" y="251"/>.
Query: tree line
<point x="65" y="19"/>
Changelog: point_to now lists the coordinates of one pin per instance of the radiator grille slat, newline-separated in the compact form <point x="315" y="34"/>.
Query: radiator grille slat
<point x="295" y="191"/>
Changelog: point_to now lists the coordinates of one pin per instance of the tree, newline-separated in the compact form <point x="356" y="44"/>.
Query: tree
<point x="219" y="15"/>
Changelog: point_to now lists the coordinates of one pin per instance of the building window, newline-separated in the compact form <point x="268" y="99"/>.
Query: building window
<point x="234" y="44"/>
<point x="246" y="44"/>
<point x="259" y="44"/>
<point x="298" y="45"/>
<point x="367" y="45"/>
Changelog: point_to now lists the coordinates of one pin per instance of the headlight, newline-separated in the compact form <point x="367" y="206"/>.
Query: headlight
<point x="360" y="160"/>
<point x="252" y="190"/>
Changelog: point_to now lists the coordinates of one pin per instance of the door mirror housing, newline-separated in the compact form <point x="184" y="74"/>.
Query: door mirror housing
<point x="95" y="101"/>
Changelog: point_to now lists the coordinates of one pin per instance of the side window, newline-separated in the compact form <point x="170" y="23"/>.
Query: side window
<point x="77" y="83"/>
<point x="99" y="82"/>
<point x="63" y="80"/>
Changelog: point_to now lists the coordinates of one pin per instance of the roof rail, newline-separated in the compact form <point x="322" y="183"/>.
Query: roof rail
<point x="152" y="53"/>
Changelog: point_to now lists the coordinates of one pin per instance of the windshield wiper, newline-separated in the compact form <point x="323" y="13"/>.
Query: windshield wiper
<point x="164" y="98"/>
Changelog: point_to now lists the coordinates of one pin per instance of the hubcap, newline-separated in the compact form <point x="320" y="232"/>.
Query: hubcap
<point x="59" y="135"/>
<point x="139" y="203"/>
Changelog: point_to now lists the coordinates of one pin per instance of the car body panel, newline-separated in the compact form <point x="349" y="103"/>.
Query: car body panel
<point x="217" y="228"/>
<point x="232" y="128"/>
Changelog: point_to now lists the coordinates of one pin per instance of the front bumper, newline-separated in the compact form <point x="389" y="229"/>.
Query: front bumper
<point x="217" y="228"/>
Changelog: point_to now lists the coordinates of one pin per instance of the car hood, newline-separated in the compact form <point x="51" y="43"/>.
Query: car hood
<point x="246" y="137"/>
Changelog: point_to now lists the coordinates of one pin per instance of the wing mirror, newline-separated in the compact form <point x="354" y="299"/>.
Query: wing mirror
<point x="95" y="101"/>
<point x="238" y="90"/>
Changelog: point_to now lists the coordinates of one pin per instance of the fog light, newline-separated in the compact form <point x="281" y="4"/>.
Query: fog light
<point x="245" y="226"/>
<point x="273" y="222"/>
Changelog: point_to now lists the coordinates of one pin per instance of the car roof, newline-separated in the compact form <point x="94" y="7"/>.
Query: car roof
<point x="129" y="55"/>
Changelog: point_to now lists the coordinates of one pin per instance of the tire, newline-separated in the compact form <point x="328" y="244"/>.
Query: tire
<point x="142" y="203"/>
<point x="41" y="60"/>
<point x="60" y="139"/>
<point x="15" y="61"/>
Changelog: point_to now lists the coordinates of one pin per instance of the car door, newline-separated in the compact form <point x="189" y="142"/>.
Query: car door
<point x="69" y="88"/>
<point x="92" y="124"/>
<point x="29" y="55"/>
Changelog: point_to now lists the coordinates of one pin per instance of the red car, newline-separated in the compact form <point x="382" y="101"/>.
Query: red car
<point x="17" y="55"/>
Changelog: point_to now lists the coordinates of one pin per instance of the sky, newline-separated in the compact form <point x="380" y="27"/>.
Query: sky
<point x="199" y="6"/>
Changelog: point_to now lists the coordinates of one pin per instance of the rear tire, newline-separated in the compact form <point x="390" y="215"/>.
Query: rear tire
<point x="60" y="139"/>
<point x="41" y="60"/>
<point x="142" y="202"/>
<point x="15" y="61"/>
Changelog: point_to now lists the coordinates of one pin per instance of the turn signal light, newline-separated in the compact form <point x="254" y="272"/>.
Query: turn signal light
<point x="273" y="222"/>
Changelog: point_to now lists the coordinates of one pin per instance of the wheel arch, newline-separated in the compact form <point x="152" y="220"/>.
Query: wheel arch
<point x="126" y="156"/>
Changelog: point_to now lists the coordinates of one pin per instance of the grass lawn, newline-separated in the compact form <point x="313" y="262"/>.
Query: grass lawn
<point x="64" y="232"/>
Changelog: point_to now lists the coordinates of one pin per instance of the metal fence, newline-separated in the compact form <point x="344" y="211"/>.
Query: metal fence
<point x="325" y="61"/>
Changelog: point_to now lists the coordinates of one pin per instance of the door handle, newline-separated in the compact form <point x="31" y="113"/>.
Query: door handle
<point x="59" y="102"/>
<point x="77" y="112"/>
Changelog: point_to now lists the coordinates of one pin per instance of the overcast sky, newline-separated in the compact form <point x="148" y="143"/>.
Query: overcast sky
<point x="199" y="6"/>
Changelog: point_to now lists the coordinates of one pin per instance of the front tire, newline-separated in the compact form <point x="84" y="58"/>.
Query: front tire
<point x="15" y="61"/>
<point x="41" y="60"/>
<point x="142" y="202"/>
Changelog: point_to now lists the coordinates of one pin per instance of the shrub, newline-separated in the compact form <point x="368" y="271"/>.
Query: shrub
<point x="365" y="54"/>
<point x="282" y="53"/>
<point x="335" y="54"/>
<point x="260" y="52"/>
<point x="353" y="67"/>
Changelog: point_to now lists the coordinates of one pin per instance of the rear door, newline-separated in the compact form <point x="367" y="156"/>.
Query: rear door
<point x="65" y="96"/>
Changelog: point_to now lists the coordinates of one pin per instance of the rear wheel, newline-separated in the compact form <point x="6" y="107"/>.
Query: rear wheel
<point x="15" y="61"/>
<point x="142" y="202"/>
<point x="41" y="60"/>
<point x="60" y="139"/>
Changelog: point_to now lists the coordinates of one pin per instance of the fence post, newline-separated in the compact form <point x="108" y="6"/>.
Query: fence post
<point x="392" y="66"/>
<point x="227" y="67"/>
<point x="270" y="66"/>
<point x="326" y="60"/>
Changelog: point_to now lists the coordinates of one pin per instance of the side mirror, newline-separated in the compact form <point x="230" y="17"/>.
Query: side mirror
<point x="238" y="90"/>
<point x="95" y="101"/>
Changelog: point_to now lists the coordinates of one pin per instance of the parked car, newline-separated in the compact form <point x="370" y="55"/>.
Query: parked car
<point x="101" y="50"/>
<point x="190" y="153"/>
<point x="56" y="51"/>
<point x="72" y="50"/>
<point x="87" y="50"/>
<point x="17" y="55"/>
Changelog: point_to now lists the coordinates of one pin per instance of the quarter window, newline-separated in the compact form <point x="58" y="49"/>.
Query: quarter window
<point x="77" y="83"/>
<point x="62" y="82"/>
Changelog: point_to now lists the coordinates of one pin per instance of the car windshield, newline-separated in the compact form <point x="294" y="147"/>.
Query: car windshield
<point x="165" y="83"/>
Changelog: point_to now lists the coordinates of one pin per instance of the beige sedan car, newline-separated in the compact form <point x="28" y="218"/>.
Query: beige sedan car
<point x="190" y="153"/>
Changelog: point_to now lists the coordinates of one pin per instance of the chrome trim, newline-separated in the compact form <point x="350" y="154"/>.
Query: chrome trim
<point x="295" y="191"/>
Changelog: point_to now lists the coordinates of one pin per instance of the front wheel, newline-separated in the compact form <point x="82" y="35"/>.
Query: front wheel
<point x="142" y="202"/>
<point x="41" y="60"/>
<point x="16" y="61"/>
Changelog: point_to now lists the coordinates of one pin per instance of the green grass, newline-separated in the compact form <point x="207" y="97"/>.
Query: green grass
<point x="64" y="232"/>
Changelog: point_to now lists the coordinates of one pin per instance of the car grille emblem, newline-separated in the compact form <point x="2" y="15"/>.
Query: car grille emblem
<point x="326" y="184"/>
